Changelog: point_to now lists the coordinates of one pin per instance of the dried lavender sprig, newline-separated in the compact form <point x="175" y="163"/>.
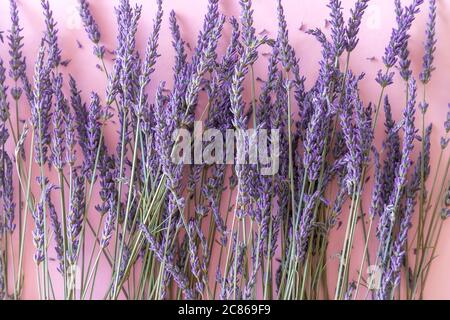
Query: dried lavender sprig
<point x="400" y="36"/>
<point x="209" y="24"/>
<point x="76" y="215"/>
<point x="39" y="230"/>
<point x="40" y="111"/>
<point x="93" y="133"/>
<point x="430" y="44"/>
<point x="314" y="141"/>
<point x="152" y="46"/>
<point x="110" y="222"/>
<point x="338" y="28"/>
<point x="248" y="30"/>
<point x="414" y="184"/>
<point x="284" y="48"/>
<point x="9" y="205"/>
<point x="391" y="147"/>
<point x="81" y="115"/>
<point x="193" y="252"/>
<point x="391" y="277"/>
<point x="178" y="43"/>
<point x="17" y="62"/>
<point x="4" y="106"/>
<point x="237" y="107"/>
<point x="51" y="35"/>
<point x="56" y="227"/>
<point x="206" y="61"/>
<point x="403" y="54"/>
<point x="354" y="23"/>
<point x="178" y="276"/>
<point x="91" y="28"/>
<point x="306" y="226"/>
<point x="390" y="213"/>
<point x="70" y="140"/>
<point x="59" y="114"/>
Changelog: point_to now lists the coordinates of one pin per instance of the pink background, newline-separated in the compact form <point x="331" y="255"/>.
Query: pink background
<point x="374" y="35"/>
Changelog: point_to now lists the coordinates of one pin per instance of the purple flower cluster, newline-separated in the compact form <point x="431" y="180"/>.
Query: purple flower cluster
<point x="165" y="218"/>
<point x="91" y="28"/>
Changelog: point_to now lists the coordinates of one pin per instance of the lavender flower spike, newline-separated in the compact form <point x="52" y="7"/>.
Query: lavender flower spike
<point x="390" y="213"/>
<point x="56" y="228"/>
<point x="76" y="214"/>
<point x="151" y="51"/>
<point x="400" y="36"/>
<point x="285" y="50"/>
<point x="51" y="35"/>
<point x="354" y="23"/>
<point x="91" y="28"/>
<point x="338" y="29"/>
<point x="58" y="145"/>
<point x="430" y="44"/>
<point x="17" y="62"/>
<point x="38" y="232"/>
<point x="110" y="222"/>
<point x="177" y="274"/>
<point x="93" y="132"/>
<point x="4" y="106"/>
<point x="8" y="194"/>
<point x="40" y="111"/>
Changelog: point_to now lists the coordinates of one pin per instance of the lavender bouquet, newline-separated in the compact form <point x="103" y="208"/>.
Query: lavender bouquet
<point x="246" y="211"/>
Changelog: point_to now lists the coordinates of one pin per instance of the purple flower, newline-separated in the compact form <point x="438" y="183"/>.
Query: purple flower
<point x="51" y="36"/>
<point x="4" y="106"/>
<point x="338" y="29"/>
<point x="399" y="37"/>
<point x="315" y="138"/>
<point x="17" y="61"/>
<point x="408" y="142"/>
<point x="59" y="114"/>
<point x="9" y="205"/>
<point x="91" y="28"/>
<point x="391" y="277"/>
<point x="203" y="64"/>
<point x="248" y="30"/>
<point x="40" y="112"/>
<point x="358" y="135"/>
<point x="81" y="115"/>
<point x="391" y="147"/>
<point x="386" y="79"/>
<point x="76" y="215"/>
<point x="93" y="132"/>
<point x="38" y="232"/>
<point x="207" y="33"/>
<point x="306" y="225"/>
<point x="179" y="277"/>
<point x="109" y="224"/>
<point x="178" y="44"/>
<point x="70" y="140"/>
<point x="56" y="228"/>
<point x="430" y="44"/>
<point x="354" y="22"/>
<point x="107" y="173"/>
<point x="390" y="212"/>
<point x="151" y="50"/>
<point x="284" y="48"/>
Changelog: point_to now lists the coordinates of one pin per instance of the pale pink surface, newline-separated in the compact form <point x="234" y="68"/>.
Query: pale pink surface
<point x="375" y="32"/>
